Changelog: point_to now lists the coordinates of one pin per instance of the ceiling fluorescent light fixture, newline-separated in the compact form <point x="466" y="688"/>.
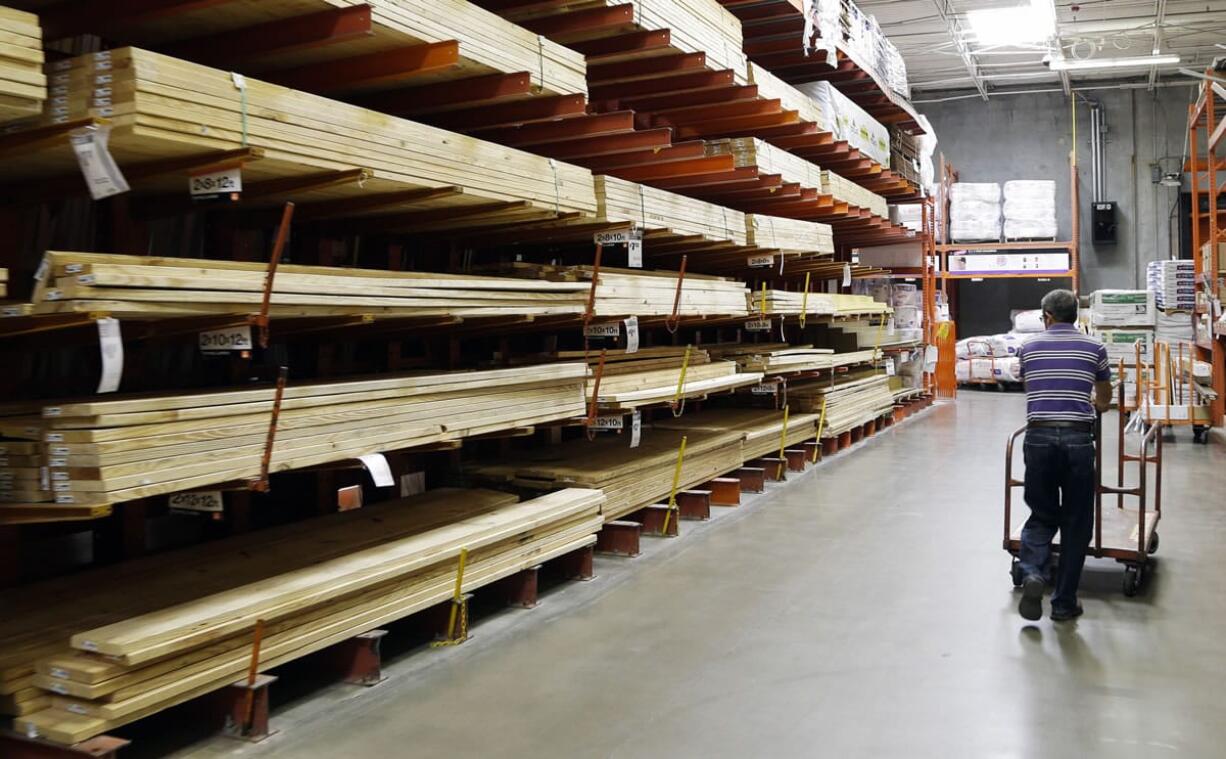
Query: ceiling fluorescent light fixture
<point x="1091" y="64"/>
<point x="1026" y="24"/>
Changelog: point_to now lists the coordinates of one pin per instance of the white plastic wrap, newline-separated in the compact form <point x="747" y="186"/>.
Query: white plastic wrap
<point x="1029" y="208"/>
<point x="1024" y="229"/>
<point x="1028" y="321"/>
<point x="972" y="346"/>
<point x="1007" y="344"/>
<point x="910" y="215"/>
<point x="962" y="370"/>
<point x="974" y="211"/>
<point x="849" y="122"/>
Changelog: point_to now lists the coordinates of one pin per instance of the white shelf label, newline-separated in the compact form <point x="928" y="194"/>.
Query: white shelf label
<point x="765" y="388"/>
<point x="229" y="339"/>
<point x="632" y="334"/>
<point x="110" y="343"/>
<point x="609" y="422"/>
<point x="610" y="329"/>
<point x="761" y="261"/>
<point x="380" y="470"/>
<point x="758" y="325"/>
<point x="214" y="184"/>
<point x="210" y="502"/>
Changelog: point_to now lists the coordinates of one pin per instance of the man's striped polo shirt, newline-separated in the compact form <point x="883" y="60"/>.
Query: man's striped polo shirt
<point x="1060" y="368"/>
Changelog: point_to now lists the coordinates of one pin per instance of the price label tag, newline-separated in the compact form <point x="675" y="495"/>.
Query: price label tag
<point x="102" y="174"/>
<point x="634" y="252"/>
<point x="215" y="184"/>
<point x="224" y="340"/>
<point x="608" y="330"/>
<point x="760" y="261"/>
<point x="632" y="334"/>
<point x="889" y="327"/>
<point x="632" y="238"/>
<point x="110" y="343"/>
<point x="200" y="502"/>
<point x="380" y="470"/>
<point x="765" y="388"/>
<point x="610" y="422"/>
<point x="758" y="325"/>
<point x="846" y="275"/>
<point x="636" y="429"/>
<point x="889" y="368"/>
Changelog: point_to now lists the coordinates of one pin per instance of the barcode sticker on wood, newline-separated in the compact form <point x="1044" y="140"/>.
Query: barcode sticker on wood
<point x="225" y="340"/>
<point x="632" y="334"/>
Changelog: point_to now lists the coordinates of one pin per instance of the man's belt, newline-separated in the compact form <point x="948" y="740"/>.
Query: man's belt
<point x="1062" y="424"/>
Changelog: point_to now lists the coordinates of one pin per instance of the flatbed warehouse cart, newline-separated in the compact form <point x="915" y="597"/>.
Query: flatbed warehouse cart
<point x="1127" y="532"/>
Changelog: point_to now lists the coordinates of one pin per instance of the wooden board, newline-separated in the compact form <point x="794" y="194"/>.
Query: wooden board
<point x="23" y="86"/>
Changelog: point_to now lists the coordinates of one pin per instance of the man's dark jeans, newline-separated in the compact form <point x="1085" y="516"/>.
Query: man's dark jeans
<point x="1060" y="493"/>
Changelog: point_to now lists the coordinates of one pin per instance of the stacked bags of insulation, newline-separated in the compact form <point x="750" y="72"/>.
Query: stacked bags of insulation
<point x="974" y="211"/>
<point x="1030" y="209"/>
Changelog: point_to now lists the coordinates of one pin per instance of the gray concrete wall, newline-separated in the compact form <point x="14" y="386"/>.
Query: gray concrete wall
<point x="1029" y="137"/>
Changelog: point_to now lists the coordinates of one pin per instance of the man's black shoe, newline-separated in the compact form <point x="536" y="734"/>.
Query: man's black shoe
<point x="1062" y="615"/>
<point x="1031" y="605"/>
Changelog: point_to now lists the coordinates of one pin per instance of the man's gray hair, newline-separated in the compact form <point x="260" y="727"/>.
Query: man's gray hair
<point x="1061" y="305"/>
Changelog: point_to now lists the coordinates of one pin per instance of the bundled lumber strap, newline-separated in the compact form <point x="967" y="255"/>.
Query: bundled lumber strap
<point x="23" y="86"/>
<point x="639" y="292"/>
<point x="851" y="400"/>
<point x="791" y="236"/>
<point x="312" y="588"/>
<point x="847" y="190"/>
<point x="164" y="108"/>
<point x="751" y="151"/>
<point x="627" y="383"/>
<point x="772" y="87"/>
<point x="133" y="286"/>
<point x="109" y="451"/>
<point x="761" y="429"/>
<point x="618" y="200"/>
<point x="631" y="478"/>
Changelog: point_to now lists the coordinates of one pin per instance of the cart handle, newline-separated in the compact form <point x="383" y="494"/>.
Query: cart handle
<point x="1010" y="482"/>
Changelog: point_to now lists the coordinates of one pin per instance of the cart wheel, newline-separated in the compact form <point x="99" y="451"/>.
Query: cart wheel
<point x="1153" y="543"/>
<point x="1016" y="573"/>
<point x="1200" y="434"/>
<point x="1132" y="581"/>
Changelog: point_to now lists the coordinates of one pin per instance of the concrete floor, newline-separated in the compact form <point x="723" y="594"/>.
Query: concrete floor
<point x="862" y="610"/>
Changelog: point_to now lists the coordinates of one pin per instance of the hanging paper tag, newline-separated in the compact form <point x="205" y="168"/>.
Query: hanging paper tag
<point x="223" y="340"/>
<point x="759" y="262"/>
<point x="200" y="502"/>
<point x="609" y="422"/>
<point x="846" y="275"/>
<point x="931" y="356"/>
<point x="380" y="470"/>
<point x="765" y="388"/>
<point x="889" y="368"/>
<point x="110" y="344"/>
<point x="632" y="334"/>
<point x="889" y="326"/>
<point x="634" y="252"/>
<point x="782" y="339"/>
<point x="758" y="325"/>
<point x="102" y="175"/>
<point x="636" y="429"/>
<point x="215" y="184"/>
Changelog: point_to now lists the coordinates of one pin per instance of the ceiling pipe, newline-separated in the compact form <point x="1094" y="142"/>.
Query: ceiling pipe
<point x="1049" y="90"/>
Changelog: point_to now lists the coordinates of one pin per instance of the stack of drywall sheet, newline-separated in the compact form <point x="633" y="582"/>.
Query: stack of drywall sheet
<point x="141" y="286"/>
<point x="631" y="478"/>
<point x="164" y="108"/>
<point x="789" y="235"/>
<point x="23" y="86"/>
<point x="140" y="653"/>
<point x="762" y="429"/>
<point x="851" y="399"/>
<point x="122" y="448"/>
<point x="790" y="98"/>
<point x="849" y="122"/>
<point x="634" y="380"/>
<point x="639" y="292"/>
<point x="618" y="200"/>
<point x="847" y="190"/>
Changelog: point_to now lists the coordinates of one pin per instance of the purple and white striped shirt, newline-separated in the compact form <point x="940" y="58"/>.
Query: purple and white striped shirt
<point x="1060" y="368"/>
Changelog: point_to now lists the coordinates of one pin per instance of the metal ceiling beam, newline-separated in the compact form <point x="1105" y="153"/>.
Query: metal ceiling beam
<point x="949" y="15"/>
<point x="1159" y="19"/>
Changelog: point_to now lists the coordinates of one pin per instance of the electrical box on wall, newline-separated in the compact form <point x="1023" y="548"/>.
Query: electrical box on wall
<point x="1102" y="222"/>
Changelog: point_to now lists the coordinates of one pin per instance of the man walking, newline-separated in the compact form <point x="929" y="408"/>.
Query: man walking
<point x="1062" y="370"/>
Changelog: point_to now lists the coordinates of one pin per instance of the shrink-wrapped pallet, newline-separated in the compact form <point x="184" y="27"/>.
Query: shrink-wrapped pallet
<point x="1029" y="209"/>
<point x="1173" y="284"/>
<point x="974" y="211"/>
<point x="1122" y="308"/>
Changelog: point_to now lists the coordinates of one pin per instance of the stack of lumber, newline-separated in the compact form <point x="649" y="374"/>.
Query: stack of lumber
<point x="694" y="26"/>
<point x="638" y="292"/>
<point x="868" y="333"/>
<point x="851" y="400"/>
<point x="789" y="235"/>
<point x="631" y="380"/>
<point x="761" y="429"/>
<point x="118" y="449"/>
<point x="847" y="190"/>
<point x="775" y="358"/>
<point x="850" y="305"/>
<point x="631" y="478"/>
<point x="772" y="87"/>
<point x="618" y="200"/>
<point x="312" y="584"/>
<point x="140" y="286"/>
<point x="788" y="302"/>
<point x="4" y="283"/>
<point x="23" y="86"/>
<point x="487" y="43"/>
<point x="164" y="108"/>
